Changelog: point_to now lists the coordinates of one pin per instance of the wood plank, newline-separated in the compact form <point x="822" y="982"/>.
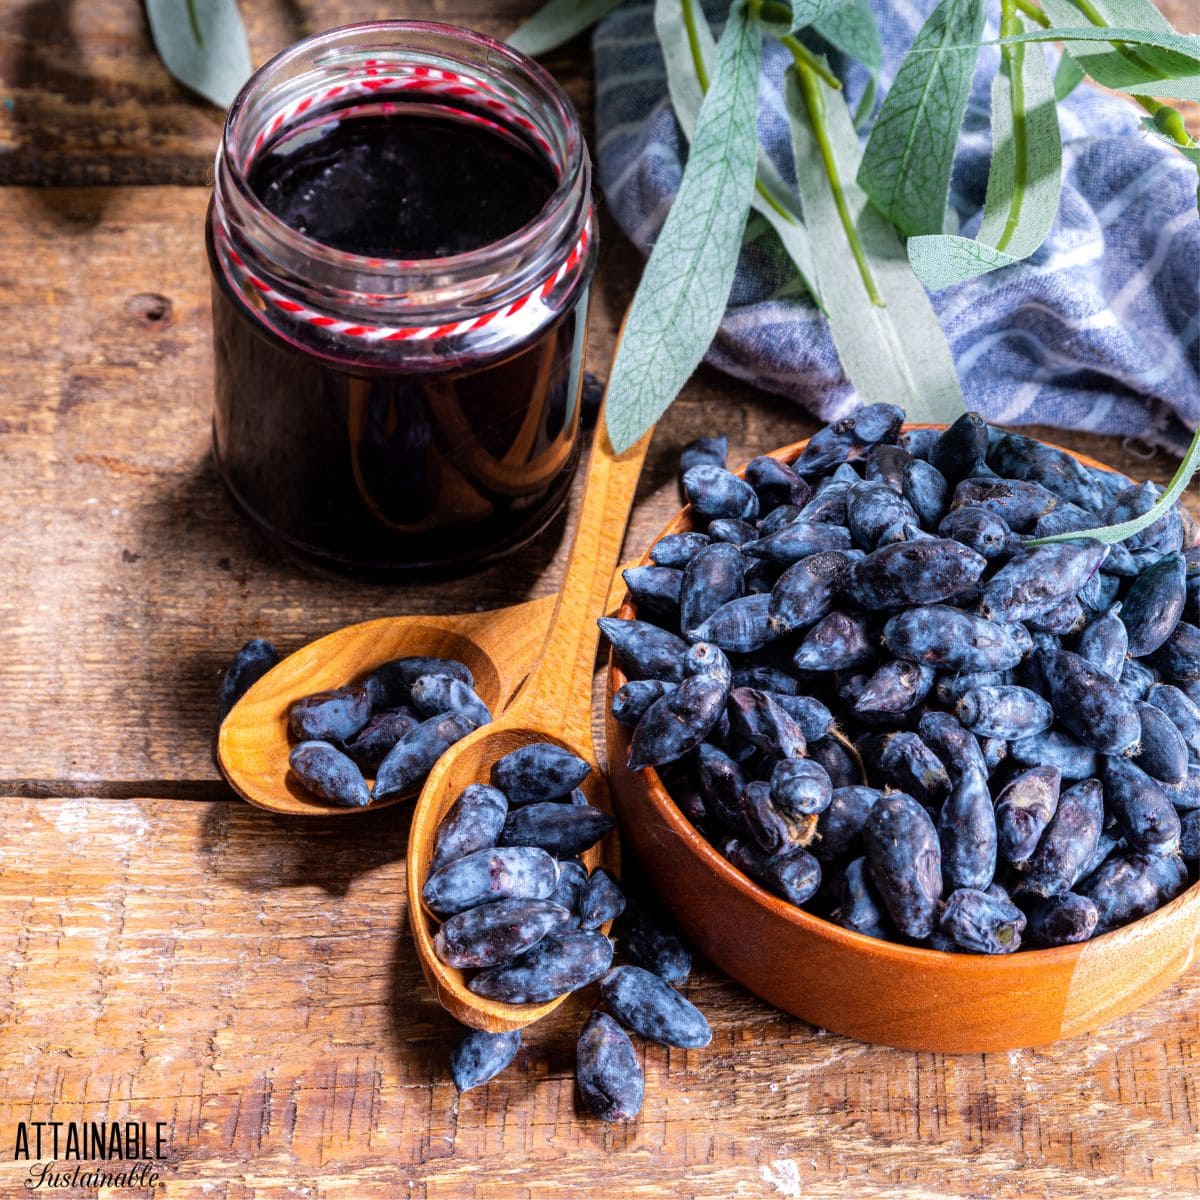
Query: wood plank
<point x="130" y="579"/>
<point x="85" y="100"/>
<point x="249" y="980"/>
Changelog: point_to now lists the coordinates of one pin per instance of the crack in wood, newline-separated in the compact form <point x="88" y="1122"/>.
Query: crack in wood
<point x="204" y="790"/>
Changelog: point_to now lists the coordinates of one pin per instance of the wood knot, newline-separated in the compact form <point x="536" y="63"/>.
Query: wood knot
<point x="150" y="309"/>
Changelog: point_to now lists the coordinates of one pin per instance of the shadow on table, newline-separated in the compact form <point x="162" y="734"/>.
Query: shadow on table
<point x="422" y="1031"/>
<point x="423" y="1035"/>
<point x="261" y="851"/>
<point x="49" y="66"/>
<point x="218" y="581"/>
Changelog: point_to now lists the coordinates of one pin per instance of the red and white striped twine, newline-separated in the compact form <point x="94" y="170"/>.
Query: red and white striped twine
<point x="380" y="76"/>
<point x="399" y="333"/>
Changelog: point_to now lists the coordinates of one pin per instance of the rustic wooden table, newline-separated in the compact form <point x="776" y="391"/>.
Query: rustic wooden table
<point x="169" y="954"/>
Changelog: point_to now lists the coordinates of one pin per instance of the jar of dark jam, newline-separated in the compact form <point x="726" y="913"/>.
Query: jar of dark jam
<point x="401" y="240"/>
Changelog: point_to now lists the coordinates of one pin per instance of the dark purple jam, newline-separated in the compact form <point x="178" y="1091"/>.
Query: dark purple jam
<point x="403" y="185"/>
<point x="378" y="468"/>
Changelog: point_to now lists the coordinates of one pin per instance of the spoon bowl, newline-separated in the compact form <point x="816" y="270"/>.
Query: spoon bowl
<point x="468" y="762"/>
<point x="500" y="647"/>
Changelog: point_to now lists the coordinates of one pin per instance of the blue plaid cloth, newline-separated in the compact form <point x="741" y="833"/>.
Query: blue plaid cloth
<point x="1099" y="330"/>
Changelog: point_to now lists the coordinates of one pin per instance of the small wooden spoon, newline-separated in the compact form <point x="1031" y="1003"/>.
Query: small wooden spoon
<point x="555" y="705"/>
<point x="500" y="647"/>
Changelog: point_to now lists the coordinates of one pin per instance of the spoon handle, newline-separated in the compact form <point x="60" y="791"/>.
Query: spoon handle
<point x="558" y="693"/>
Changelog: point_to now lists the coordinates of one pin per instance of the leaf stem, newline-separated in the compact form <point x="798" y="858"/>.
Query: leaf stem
<point x="1097" y="18"/>
<point x="814" y="101"/>
<point x="1014" y="63"/>
<point x="693" y="37"/>
<point x="1168" y="120"/>
<point x="817" y="65"/>
<point x="194" y="18"/>
<point x="1034" y="13"/>
<point x="765" y="192"/>
<point x="1109" y="534"/>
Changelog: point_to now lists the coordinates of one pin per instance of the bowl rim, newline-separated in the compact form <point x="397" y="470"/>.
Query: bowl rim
<point x="665" y="808"/>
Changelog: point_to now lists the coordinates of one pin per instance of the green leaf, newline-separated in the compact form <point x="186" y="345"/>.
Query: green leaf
<point x="894" y="351"/>
<point x="789" y="16"/>
<point x="1111" y="534"/>
<point x="943" y="259"/>
<point x="1144" y="71"/>
<point x="854" y="31"/>
<point x="909" y="157"/>
<point x="1025" y="178"/>
<point x="1024" y="181"/>
<point x="556" y="22"/>
<point x="688" y="50"/>
<point x="1136" y="14"/>
<point x="1067" y="78"/>
<point x="203" y="46"/>
<point x="686" y="282"/>
<point x="1140" y="71"/>
<point x="1186" y="46"/>
<point x="866" y="104"/>
<point x="1182" y="87"/>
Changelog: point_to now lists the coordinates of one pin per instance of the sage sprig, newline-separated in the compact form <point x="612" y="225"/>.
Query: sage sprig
<point x="1111" y="534"/>
<point x="864" y="262"/>
<point x="683" y="291"/>
<point x="908" y="160"/>
<point x="882" y="323"/>
<point x="204" y="46"/>
<point x="1118" y="66"/>
<point x="854" y="31"/>
<point x="1024" y="181"/>
<point x="688" y="50"/>
<point x="556" y="22"/>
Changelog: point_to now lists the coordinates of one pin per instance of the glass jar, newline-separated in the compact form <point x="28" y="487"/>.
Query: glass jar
<point x="399" y="393"/>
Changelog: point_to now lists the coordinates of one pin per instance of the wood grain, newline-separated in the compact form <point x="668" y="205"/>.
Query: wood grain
<point x="85" y="100"/>
<point x="130" y="579"/>
<point x="246" y="977"/>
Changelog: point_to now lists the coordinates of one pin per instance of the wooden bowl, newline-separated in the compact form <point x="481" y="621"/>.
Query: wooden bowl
<point x="880" y="991"/>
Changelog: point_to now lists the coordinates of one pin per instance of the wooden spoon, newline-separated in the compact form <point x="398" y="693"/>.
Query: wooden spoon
<point x="555" y="705"/>
<point x="500" y="647"/>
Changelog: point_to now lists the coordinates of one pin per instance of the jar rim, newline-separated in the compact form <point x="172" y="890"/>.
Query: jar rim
<point x="569" y="159"/>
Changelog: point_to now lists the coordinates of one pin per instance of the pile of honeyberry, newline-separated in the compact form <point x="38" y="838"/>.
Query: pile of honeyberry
<point x="1025" y="720"/>
<point x="520" y="910"/>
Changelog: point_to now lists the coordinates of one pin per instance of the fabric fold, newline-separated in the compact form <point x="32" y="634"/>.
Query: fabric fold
<point x="1098" y="330"/>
